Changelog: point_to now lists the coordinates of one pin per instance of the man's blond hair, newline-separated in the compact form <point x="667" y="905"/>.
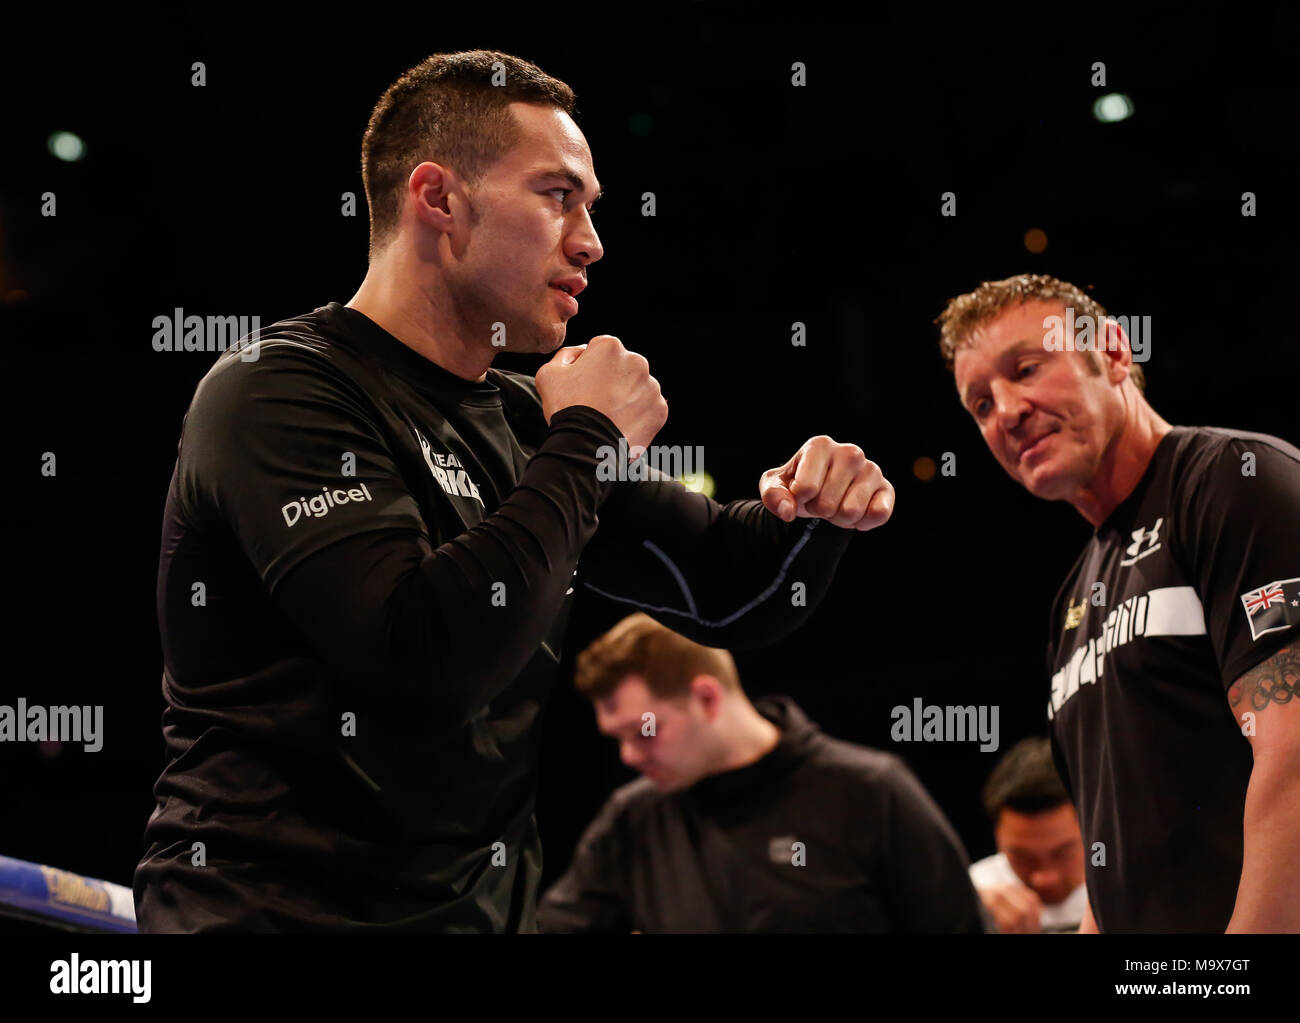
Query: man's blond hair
<point x="966" y="312"/>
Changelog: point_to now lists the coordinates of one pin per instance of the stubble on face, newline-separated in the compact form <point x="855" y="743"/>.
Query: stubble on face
<point x="518" y="244"/>
<point x="1052" y="394"/>
<point x="490" y="282"/>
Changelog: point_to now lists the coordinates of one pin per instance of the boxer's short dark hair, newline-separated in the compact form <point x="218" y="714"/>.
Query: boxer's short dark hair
<point x="1025" y="780"/>
<point x="966" y="312"/>
<point x="666" y="660"/>
<point x="446" y="110"/>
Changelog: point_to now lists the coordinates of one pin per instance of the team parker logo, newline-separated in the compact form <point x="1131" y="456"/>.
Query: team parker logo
<point x="1273" y="608"/>
<point x="448" y="471"/>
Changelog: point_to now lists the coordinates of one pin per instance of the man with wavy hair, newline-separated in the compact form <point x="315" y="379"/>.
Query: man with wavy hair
<point x="1173" y="652"/>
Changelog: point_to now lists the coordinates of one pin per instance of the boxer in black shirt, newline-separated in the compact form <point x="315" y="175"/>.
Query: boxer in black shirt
<point x="371" y="538"/>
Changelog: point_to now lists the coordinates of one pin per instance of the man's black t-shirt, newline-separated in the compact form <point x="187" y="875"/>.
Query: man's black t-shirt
<point x="366" y="570"/>
<point x="1179" y="593"/>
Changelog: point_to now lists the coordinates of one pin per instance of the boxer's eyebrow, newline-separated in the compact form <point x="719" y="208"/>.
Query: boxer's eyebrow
<point x="576" y="180"/>
<point x="1022" y="344"/>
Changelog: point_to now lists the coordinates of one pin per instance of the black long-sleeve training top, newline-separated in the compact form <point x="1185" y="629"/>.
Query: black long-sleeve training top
<point x="364" y="580"/>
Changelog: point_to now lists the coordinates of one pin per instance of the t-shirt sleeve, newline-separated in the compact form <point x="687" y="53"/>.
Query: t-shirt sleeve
<point x="590" y="896"/>
<point x="1237" y="542"/>
<point x="922" y="861"/>
<point x="286" y="453"/>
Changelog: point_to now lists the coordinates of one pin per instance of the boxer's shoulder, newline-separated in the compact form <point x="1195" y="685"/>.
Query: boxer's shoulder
<point x="274" y="365"/>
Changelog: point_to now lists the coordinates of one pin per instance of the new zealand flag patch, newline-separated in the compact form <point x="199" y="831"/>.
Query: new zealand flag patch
<point x="1273" y="607"/>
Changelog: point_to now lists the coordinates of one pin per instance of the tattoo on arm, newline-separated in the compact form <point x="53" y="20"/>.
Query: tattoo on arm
<point x="1275" y="680"/>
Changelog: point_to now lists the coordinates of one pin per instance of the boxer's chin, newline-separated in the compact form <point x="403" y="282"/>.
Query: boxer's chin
<point x="1045" y="481"/>
<point x="554" y="333"/>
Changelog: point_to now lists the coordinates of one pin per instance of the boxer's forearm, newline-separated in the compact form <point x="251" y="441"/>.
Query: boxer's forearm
<point x="1268" y="895"/>
<point x="1268" y="892"/>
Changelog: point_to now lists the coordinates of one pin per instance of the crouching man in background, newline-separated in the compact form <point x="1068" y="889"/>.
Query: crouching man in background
<point x="748" y="817"/>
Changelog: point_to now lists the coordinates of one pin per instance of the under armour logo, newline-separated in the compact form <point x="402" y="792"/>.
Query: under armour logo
<point x="1143" y="536"/>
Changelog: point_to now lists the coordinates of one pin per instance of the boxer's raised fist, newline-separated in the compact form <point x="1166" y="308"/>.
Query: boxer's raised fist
<point x="607" y="377"/>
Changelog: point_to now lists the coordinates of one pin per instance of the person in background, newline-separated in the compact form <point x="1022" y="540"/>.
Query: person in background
<point x="1034" y="882"/>
<point x="747" y="818"/>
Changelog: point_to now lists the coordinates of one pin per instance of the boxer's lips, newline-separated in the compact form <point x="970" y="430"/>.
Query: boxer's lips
<point x="566" y="300"/>
<point x="572" y="285"/>
<point x="1028" y="449"/>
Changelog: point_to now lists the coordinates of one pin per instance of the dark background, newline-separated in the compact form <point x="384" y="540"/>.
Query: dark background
<point x="775" y="204"/>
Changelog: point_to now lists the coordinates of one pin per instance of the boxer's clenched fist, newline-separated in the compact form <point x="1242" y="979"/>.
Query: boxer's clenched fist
<point x="826" y="480"/>
<point x="606" y="376"/>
